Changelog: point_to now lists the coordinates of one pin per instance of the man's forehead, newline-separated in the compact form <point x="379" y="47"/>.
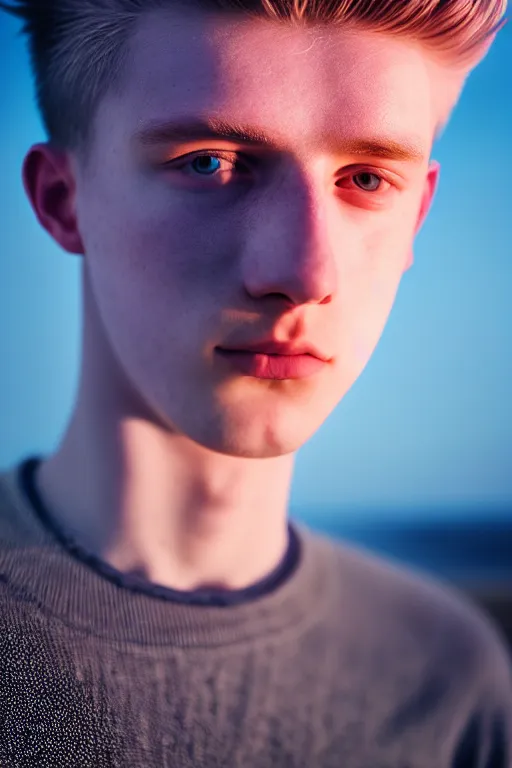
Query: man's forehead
<point x="264" y="75"/>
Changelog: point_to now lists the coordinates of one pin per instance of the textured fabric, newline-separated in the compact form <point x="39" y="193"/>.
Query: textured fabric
<point x="351" y="662"/>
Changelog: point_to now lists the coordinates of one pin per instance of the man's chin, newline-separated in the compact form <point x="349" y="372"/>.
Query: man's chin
<point x="239" y="446"/>
<point x="256" y="427"/>
<point x="256" y="439"/>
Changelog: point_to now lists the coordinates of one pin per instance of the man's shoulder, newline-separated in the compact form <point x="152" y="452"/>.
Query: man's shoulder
<point x="412" y="609"/>
<point x="434" y="661"/>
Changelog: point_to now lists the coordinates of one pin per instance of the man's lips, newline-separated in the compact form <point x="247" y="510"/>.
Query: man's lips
<point x="273" y="347"/>
<point x="265" y="365"/>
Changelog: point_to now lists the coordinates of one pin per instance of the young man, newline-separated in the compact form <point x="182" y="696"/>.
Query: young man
<point x="243" y="189"/>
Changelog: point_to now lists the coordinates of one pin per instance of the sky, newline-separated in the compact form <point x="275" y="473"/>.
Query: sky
<point x="427" y="425"/>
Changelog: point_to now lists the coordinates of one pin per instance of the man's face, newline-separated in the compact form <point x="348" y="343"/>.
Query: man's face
<point x="303" y="241"/>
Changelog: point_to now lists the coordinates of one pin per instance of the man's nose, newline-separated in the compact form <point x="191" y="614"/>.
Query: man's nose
<point x="290" y="250"/>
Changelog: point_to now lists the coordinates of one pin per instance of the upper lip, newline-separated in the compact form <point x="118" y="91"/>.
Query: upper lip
<point x="273" y="347"/>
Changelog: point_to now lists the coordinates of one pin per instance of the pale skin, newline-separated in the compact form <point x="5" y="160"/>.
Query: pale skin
<point x="173" y="465"/>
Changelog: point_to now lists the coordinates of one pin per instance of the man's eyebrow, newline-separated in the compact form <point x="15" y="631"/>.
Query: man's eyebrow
<point x="183" y="131"/>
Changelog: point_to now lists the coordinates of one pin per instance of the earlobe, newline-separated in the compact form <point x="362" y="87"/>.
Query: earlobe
<point x="50" y="188"/>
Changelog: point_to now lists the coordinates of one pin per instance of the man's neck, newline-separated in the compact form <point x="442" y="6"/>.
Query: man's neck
<point x="163" y="507"/>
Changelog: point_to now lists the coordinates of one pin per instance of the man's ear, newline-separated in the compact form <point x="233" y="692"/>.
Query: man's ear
<point x="49" y="183"/>
<point x="429" y="191"/>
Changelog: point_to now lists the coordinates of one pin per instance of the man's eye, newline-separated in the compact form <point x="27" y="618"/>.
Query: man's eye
<point x="221" y="165"/>
<point x="367" y="181"/>
<point x="209" y="164"/>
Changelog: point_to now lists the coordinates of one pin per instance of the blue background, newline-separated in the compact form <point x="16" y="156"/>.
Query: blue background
<point x="427" y="428"/>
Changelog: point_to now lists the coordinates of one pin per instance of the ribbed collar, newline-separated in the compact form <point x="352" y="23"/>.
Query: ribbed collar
<point x="284" y="569"/>
<point x="41" y="570"/>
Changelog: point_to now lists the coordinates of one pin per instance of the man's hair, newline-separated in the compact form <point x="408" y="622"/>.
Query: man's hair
<point x="78" y="47"/>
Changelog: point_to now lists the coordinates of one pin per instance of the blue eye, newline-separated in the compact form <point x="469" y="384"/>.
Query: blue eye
<point x="202" y="162"/>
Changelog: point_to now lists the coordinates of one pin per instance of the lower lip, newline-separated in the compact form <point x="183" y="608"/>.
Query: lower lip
<point x="263" y="366"/>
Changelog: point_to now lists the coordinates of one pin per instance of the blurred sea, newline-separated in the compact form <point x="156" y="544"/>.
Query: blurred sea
<point x="476" y="546"/>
